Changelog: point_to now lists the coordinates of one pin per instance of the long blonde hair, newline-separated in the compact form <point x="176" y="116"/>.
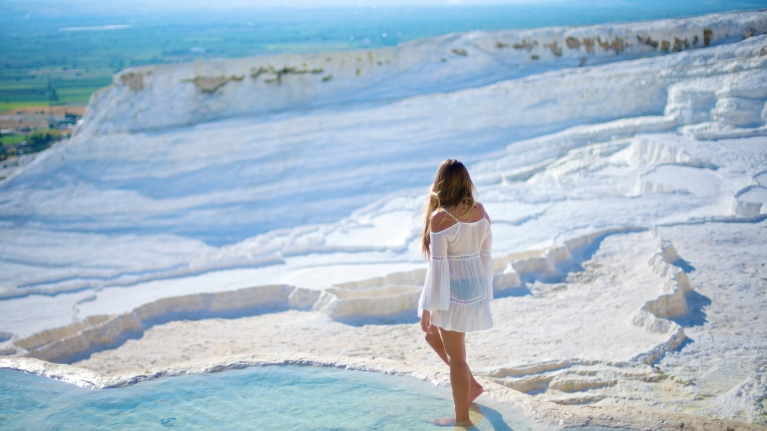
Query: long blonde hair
<point x="452" y="187"/>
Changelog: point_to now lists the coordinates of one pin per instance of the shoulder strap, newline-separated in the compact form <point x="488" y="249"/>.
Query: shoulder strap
<point x="450" y="215"/>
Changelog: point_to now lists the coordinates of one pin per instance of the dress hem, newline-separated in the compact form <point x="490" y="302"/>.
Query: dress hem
<point x="464" y="331"/>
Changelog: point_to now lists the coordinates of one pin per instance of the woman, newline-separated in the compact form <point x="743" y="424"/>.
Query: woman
<point x="459" y="281"/>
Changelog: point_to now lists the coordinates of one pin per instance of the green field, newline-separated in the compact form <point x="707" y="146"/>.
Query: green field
<point x="12" y="145"/>
<point x="11" y="139"/>
<point x="78" y="63"/>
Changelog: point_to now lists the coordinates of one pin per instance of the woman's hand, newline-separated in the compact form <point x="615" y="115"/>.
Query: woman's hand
<point x="425" y="321"/>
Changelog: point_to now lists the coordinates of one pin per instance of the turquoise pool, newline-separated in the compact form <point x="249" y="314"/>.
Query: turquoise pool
<point x="258" y="398"/>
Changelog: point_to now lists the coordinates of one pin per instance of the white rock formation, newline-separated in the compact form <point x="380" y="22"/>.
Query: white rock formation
<point x="163" y="96"/>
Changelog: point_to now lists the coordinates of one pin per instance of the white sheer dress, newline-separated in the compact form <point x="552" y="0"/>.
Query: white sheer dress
<point x="459" y="281"/>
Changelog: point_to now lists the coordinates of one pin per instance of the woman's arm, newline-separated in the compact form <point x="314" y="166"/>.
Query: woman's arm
<point x="436" y="287"/>
<point x="425" y="320"/>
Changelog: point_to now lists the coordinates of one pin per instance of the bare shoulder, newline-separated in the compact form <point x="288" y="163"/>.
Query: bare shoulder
<point x="480" y="209"/>
<point x="440" y="221"/>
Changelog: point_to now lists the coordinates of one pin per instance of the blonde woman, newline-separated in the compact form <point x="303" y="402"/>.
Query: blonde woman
<point x="459" y="281"/>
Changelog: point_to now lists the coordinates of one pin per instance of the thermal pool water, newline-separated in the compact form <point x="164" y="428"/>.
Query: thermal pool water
<point x="273" y="397"/>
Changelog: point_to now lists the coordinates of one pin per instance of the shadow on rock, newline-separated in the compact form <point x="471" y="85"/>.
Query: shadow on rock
<point x="696" y="316"/>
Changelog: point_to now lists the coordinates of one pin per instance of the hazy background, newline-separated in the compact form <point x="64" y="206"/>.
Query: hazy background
<point x="42" y="39"/>
<point x="54" y="55"/>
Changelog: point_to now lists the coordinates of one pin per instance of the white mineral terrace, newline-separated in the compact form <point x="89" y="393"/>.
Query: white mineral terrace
<point x="268" y="208"/>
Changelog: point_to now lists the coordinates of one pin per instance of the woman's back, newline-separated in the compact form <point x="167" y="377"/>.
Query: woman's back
<point x="466" y="233"/>
<point x="465" y="239"/>
<point x="459" y="282"/>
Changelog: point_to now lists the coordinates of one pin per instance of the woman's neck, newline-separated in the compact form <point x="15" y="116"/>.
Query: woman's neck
<point x="460" y="211"/>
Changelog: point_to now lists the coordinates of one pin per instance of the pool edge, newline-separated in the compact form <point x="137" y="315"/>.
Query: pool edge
<point x="544" y="412"/>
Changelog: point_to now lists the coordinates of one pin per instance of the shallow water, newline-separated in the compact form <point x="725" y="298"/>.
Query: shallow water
<point x="274" y="397"/>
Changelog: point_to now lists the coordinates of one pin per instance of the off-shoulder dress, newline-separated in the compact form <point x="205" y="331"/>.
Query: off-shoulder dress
<point x="459" y="281"/>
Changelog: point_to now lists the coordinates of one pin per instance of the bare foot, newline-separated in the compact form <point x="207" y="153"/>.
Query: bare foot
<point x="476" y="391"/>
<point x="451" y="422"/>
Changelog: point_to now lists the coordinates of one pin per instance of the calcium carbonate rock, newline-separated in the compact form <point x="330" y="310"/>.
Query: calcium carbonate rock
<point x="738" y="111"/>
<point x="154" y="97"/>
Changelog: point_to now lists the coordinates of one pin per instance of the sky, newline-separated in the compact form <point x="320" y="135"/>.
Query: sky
<point x="116" y="7"/>
<point x="237" y="4"/>
<point x="13" y="9"/>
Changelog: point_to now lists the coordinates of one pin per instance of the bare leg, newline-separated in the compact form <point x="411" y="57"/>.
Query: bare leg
<point x="460" y="377"/>
<point x="435" y="341"/>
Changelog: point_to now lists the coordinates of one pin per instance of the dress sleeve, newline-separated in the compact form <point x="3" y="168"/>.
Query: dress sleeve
<point x="487" y="260"/>
<point x="436" y="288"/>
